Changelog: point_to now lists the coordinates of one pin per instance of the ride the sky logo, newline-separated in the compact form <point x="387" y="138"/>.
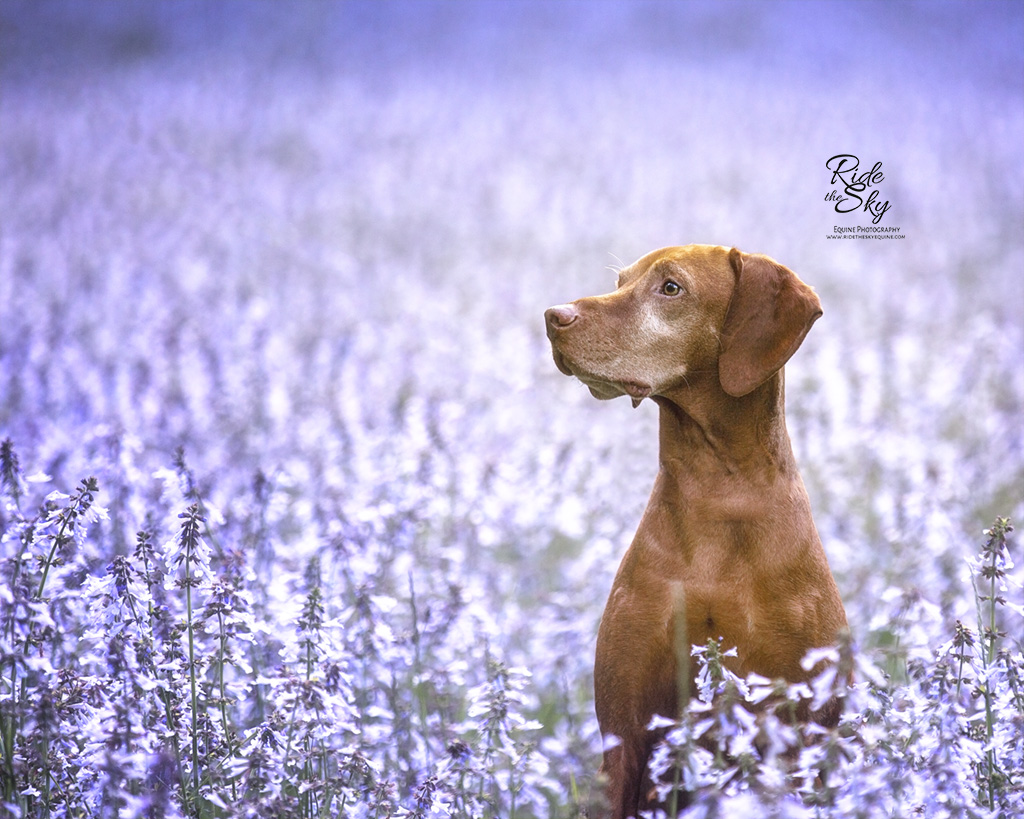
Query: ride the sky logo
<point x="855" y="189"/>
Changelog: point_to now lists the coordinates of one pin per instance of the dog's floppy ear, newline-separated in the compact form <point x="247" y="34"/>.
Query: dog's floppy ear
<point x="770" y="313"/>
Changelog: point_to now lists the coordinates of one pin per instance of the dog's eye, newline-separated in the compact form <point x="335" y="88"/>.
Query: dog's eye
<point x="670" y="288"/>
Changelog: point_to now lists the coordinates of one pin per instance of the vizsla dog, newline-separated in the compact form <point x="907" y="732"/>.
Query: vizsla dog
<point x="704" y="331"/>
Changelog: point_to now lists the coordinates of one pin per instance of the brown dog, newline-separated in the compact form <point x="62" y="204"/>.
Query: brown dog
<point x="704" y="331"/>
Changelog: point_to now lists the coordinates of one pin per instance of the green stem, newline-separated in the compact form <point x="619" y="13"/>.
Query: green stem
<point x="221" y="687"/>
<point x="673" y="802"/>
<point x="291" y="735"/>
<point x="77" y="505"/>
<point x="192" y="673"/>
<point x="189" y="542"/>
<point x="58" y="540"/>
<point x="7" y="725"/>
<point x="996" y="542"/>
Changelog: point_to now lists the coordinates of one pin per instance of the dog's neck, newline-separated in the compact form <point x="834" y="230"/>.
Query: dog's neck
<point x="704" y="431"/>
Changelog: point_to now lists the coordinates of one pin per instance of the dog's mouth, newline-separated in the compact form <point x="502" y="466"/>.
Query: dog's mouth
<point x="635" y="390"/>
<point x="602" y="388"/>
<point x="561" y="363"/>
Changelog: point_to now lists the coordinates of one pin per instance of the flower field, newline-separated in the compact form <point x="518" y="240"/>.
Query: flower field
<point x="297" y="516"/>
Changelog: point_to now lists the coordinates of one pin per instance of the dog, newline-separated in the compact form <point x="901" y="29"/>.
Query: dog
<point x="726" y="546"/>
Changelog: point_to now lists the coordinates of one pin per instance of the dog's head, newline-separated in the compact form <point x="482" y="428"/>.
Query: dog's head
<point x="683" y="311"/>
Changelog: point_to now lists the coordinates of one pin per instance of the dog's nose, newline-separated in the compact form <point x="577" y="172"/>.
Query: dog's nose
<point x="560" y="317"/>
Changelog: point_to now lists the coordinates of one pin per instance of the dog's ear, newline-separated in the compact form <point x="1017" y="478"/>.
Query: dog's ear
<point x="770" y="313"/>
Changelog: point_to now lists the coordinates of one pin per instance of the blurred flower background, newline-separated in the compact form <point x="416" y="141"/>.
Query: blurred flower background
<point x="300" y="519"/>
